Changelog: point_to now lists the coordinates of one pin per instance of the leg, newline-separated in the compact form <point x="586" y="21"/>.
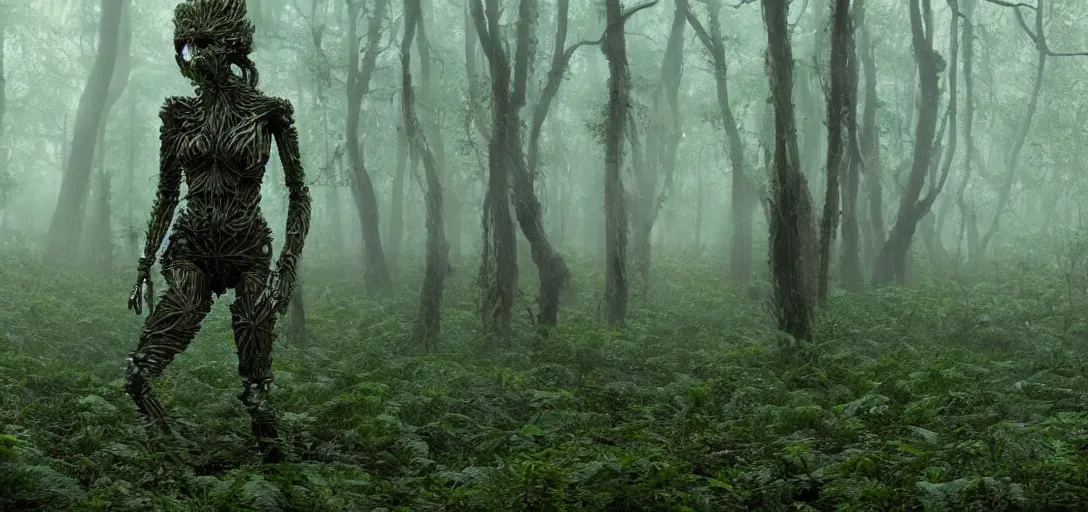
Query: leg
<point x="253" y="337"/>
<point x="167" y="331"/>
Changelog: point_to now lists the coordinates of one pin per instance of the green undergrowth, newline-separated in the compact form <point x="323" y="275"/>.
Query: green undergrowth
<point x="936" y="396"/>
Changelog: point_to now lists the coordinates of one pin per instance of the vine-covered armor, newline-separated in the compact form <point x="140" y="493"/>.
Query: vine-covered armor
<point x="218" y="142"/>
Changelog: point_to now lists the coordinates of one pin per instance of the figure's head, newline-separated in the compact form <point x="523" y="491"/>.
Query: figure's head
<point x="209" y="36"/>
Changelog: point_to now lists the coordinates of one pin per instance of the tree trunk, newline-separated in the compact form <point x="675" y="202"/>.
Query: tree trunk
<point x="61" y="242"/>
<point x="869" y="140"/>
<point x="967" y="216"/>
<point x="744" y="192"/>
<point x="850" y="262"/>
<point x="791" y="222"/>
<point x="1012" y="158"/>
<point x="358" y="85"/>
<point x="396" y="216"/>
<point x="659" y="158"/>
<point x="498" y="264"/>
<point x="4" y="181"/>
<point x="891" y="262"/>
<point x="838" y="102"/>
<point x="436" y="148"/>
<point x="429" y="322"/>
<point x="100" y="247"/>
<point x="615" y="210"/>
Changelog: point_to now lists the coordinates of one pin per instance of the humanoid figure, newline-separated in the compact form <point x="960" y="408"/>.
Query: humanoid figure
<point x="219" y="141"/>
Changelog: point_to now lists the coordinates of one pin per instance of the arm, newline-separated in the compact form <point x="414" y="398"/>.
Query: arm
<point x="298" y="208"/>
<point x="166" y="199"/>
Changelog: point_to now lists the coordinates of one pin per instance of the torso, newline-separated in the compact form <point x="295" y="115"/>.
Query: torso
<point x="223" y="144"/>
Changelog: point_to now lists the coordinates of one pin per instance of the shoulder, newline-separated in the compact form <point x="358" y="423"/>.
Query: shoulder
<point x="280" y="111"/>
<point x="174" y="110"/>
<point x="176" y="105"/>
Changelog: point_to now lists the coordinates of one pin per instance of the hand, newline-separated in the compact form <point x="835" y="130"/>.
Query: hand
<point x="136" y="298"/>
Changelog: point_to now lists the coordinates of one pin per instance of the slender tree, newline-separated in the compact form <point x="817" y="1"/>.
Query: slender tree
<point x="62" y="240"/>
<point x="838" y="101"/>
<point x="358" y="85"/>
<point x="744" y="192"/>
<point x="498" y="262"/>
<point x="791" y="206"/>
<point x="891" y="262"/>
<point x="429" y="322"/>
<point x="616" y="288"/>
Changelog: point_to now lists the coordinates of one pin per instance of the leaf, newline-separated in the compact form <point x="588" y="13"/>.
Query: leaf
<point x="98" y="405"/>
<point x="123" y="451"/>
<point x="929" y="435"/>
<point x="263" y="493"/>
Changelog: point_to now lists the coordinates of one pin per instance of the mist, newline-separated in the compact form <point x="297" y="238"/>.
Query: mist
<point x="543" y="255"/>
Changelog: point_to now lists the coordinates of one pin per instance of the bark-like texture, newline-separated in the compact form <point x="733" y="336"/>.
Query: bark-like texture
<point x="222" y="140"/>
<point x="791" y="206"/>
<point x="616" y="283"/>
<point x="498" y="262"/>
<point x="850" y="269"/>
<point x="838" y="102"/>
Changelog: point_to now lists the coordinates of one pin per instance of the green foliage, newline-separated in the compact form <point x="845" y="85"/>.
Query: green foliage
<point x="906" y="402"/>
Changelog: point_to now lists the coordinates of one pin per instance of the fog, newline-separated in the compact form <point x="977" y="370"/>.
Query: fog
<point x="545" y="249"/>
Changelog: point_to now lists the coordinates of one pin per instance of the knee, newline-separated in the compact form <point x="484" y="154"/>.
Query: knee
<point x="255" y="392"/>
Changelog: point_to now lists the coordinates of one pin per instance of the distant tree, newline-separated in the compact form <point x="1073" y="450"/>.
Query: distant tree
<point x="63" y="237"/>
<point x="429" y="321"/>
<point x="378" y="276"/>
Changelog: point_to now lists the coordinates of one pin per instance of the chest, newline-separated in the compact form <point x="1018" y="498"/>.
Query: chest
<point x="225" y="141"/>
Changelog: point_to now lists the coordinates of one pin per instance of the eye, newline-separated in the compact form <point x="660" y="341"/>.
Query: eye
<point x="202" y="42"/>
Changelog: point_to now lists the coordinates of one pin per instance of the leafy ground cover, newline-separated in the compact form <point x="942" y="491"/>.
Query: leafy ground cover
<point x="933" y="397"/>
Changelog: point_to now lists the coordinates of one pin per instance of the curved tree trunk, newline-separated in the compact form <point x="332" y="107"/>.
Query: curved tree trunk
<point x="358" y="85"/>
<point x="552" y="272"/>
<point x="498" y="261"/>
<point x="744" y="193"/>
<point x="1012" y="160"/>
<point x="659" y="160"/>
<point x="62" y="240"/>
<point x="429" y="321"/>
<point x="869" y="140"/>
<point x="891" y="262"/>
<point x="436" y="149"/>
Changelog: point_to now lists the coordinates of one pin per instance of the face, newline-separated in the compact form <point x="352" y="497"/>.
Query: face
<point x="210" y="35"/>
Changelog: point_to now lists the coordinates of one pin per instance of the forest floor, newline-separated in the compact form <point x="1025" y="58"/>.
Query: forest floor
<point x="936" y="396"/>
